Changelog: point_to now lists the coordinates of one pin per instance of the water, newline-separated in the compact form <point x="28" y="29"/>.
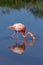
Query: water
<point x="33" y="55"/>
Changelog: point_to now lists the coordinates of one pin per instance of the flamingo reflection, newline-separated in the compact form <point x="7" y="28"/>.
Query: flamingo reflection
<point x="31" y="42"/>
<point x="19" y="27"/>
<point x="19" y="49"/>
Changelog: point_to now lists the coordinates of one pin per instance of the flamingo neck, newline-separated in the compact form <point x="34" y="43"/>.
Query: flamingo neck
<point x="28" y="33"/>
<point x="23" y="34"/>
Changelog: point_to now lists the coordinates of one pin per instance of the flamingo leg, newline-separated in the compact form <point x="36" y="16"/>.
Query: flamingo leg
<point x="17" y="41"/>
<point x="12" y="36"/>
<point x="17" y="34"/>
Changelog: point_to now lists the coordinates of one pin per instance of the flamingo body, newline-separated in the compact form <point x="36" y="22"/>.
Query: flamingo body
<point x="19" y="27"/>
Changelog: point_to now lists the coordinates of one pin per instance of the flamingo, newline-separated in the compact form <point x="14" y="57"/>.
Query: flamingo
<point x="19" y="27"/>
<point x="19" y="49"/>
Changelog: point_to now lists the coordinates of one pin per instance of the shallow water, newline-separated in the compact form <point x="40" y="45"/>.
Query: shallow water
<point x="33" y="55"/>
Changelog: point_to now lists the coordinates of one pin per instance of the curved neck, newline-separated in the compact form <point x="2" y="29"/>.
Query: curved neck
<point x="23" y="34"/>
<point x="28" y="33"/>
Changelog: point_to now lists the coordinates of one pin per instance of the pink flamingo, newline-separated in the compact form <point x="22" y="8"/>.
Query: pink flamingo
<point x="19" y="27"/>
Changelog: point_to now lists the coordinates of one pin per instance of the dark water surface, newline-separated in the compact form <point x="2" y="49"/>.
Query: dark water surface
<point x="33" y="55"/>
